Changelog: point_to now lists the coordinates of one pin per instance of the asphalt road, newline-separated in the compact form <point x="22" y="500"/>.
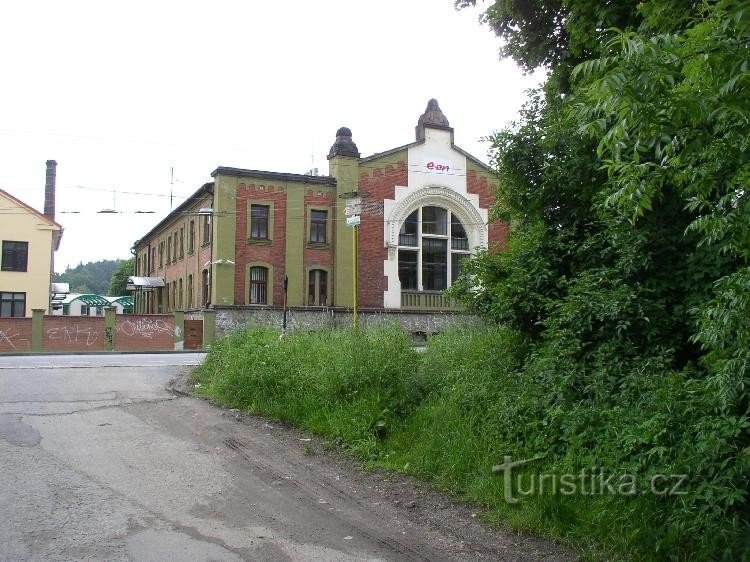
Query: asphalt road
<point x="100" y="461"/>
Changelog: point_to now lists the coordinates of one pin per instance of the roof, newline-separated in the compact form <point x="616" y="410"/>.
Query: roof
<point x="125" y="301"/>
<point x="55" y="238"/>
<point x="135" y="283"/>
<point x="88" y="299"/>
<point x="31" y="209"/>
<point x="206" y="188"/>
<point x="278" y="176"/>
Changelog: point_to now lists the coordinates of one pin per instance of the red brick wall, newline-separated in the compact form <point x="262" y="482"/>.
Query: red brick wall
<point x="498" y="231"/>
<point x="136" y="332"/>
<point x="319" y="256"/>
<point x="272" y="253"/>
<point x="15" y="334"/>
<point x="381" y="184"/>
<point x="73" y="333"/>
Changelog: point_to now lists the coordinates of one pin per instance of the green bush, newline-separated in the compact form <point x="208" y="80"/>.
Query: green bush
<point x="452" y="413"/>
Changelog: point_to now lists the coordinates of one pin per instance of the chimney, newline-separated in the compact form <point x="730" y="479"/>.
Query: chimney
<point x="49" y="190"/>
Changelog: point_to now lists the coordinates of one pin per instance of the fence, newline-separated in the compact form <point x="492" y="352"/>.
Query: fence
<point x="111" y="332"/>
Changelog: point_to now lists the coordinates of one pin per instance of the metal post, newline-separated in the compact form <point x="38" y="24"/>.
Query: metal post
<point x="356" y="272"/>
<point x="286" y="287"/>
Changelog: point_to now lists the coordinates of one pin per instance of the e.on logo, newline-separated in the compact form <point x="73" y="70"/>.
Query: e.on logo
<point x="437" y="167"/>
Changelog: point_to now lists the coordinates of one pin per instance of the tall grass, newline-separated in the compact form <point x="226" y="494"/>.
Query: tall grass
<point x="351" y="385"/>
<point x="473" y="397"/>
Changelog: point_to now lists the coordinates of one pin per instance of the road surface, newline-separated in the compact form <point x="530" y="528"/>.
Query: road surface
<point x="99" y="461"/>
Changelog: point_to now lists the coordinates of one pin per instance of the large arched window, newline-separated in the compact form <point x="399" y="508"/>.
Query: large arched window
<point x="431" y="244"/>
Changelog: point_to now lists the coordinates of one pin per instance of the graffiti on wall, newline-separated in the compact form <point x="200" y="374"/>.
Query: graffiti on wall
<point x="10" y="337"/>
<point x="86" y="335"/>
<point x="145" y="328"/>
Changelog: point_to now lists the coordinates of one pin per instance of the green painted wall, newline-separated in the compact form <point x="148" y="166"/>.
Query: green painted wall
<point x="346" y="171"/>
<point x="295" y="241"/>
<point x="223" y="244"/>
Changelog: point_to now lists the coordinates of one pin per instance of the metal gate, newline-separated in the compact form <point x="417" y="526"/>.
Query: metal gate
<point x="193" y="334"/>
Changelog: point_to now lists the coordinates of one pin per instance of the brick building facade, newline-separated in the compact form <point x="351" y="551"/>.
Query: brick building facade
<point x="423" y="207"/>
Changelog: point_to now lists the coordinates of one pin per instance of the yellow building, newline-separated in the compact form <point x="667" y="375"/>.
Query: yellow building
<point x="29" y="240"/>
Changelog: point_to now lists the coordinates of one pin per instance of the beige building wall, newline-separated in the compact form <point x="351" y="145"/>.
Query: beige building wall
<point x="22" y="224"/>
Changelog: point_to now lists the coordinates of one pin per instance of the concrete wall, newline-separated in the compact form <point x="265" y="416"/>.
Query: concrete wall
<point x="417" y="323"/>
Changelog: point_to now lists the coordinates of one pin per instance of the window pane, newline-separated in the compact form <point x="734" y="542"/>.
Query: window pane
<point x="407" y="270"/>
<point x="259" y="221"/>
<point x="408" y="234"/>
<point x="15" y="256"/>
<point x="323" y="288"/>
<point x="258" y="285"/>
<point x="434" y="264"/>
<point x="318" y="221"/>
<point x="456" y="260"/>
<point x="5" y="309"/>
<point x="459" y="240"/>
<point x="434" y="221"/>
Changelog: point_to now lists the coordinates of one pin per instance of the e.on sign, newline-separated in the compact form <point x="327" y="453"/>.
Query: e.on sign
<point x="437" y="166"/>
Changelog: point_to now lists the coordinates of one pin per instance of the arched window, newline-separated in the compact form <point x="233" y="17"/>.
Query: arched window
<point x="179" y="293"/>
<point x="317" y="288"/>
<point x="431" y="244"/>
<point x="258" y="285"/>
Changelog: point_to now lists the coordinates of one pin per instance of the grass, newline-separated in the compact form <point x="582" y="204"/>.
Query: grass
<point x="450" y="414"/>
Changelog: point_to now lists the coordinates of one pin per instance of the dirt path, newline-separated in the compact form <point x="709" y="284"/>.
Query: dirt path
<point x="312" y="494"/>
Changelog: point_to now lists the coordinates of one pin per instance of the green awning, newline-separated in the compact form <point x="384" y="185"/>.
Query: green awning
<point x="92" y="300"/>
<point x="126" y="302"/>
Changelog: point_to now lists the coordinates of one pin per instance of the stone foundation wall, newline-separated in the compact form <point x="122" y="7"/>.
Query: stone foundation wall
<point x="419" y="324"/>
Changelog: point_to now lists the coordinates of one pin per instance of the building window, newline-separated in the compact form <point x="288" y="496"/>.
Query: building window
<point x="258" y="285"/>
<point x="174" y="295"/>
<point x="259" y="222"/>
<point x="318" y="225"/>
<point x="206" y="287"/>
<point x="190" y="291"/>
<point x="161" y="254"/>
<point x="169" y="249"/>
<point x="152" y="262"/>
<point x="179" y="293"/>
<point x="15" y="256"/>
<point x="182" y="242"/>
<point x="191" y="237"/>
<point x="432" y="244"/>
<point x="174" y="254"/>
<point x="317" y="288"/>
<point x="12" y="305"/>
<point x="407" y="269"/>
<point x="85" y="310"/>
<point x="206" y="230"/>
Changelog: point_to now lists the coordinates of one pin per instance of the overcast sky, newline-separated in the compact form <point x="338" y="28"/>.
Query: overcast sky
<point x="120" y="93"/>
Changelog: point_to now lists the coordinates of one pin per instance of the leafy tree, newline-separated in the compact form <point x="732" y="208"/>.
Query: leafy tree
<point x="625" y="181"/>
<point x="118" y="284"/>
<point x="92" y="277"/>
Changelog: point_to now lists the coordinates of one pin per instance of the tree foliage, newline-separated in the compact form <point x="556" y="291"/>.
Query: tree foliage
<point x="626" y="182"/>
<point x="92" y="277"/>
<point x="119" y="281"/>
